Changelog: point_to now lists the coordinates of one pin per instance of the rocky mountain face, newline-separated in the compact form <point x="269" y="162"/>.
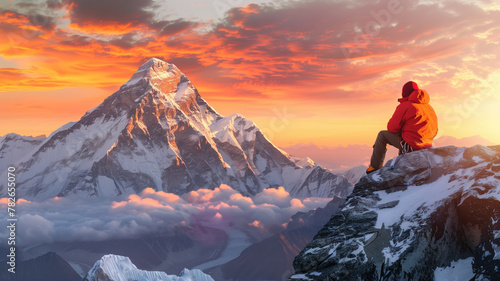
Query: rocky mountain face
<point x="120" y="268"/>
<point x="436" y="215"/>
<point x="157" y="131"/>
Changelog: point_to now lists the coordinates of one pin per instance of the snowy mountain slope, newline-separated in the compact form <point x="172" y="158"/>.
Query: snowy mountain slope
<point x="119" y="268"/>
<point x="14" y="148"/>
<point x="353" y="175"/>
<point x="157" y="131"/>
<point x="438" y="209"/>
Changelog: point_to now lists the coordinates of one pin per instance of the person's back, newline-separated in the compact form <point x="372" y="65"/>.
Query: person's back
<point x="414" y="122"/>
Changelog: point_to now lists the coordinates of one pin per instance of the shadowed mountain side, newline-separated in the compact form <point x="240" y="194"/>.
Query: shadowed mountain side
<point x="48" y="267"/>
<point x="271" y="258"/>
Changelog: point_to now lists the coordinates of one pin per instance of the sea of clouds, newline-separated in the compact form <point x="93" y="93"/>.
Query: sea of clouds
<point x="153" y="212"/>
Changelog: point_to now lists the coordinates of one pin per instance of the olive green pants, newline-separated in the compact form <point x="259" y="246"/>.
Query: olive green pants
<point x="380" y="147"/>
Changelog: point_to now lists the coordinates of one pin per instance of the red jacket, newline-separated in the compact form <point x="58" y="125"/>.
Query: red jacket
<point x="415" y="119"/>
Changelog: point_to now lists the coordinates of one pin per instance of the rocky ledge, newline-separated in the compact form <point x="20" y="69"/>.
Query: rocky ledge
<point x="434" y="215"/>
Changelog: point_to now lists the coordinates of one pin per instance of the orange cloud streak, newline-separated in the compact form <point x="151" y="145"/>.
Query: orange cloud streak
<point x="257" y="54"/>
<point x="106" y="29"/>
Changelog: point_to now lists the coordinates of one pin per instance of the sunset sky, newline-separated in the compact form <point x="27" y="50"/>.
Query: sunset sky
<point x="322" y="72"/>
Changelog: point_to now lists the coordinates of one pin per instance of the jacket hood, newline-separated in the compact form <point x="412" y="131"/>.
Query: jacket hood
<point x="418" y="96"/>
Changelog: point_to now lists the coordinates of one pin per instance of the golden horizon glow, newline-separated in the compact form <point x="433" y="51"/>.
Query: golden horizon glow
<point x="316" y="79"/>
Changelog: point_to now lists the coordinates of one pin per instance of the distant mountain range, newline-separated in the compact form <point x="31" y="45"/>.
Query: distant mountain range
<point x="462" y="142"/>
<point x="339" y="159"/>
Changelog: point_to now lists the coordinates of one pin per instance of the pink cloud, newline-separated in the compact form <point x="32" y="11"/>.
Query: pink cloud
<point x="161" y="196"/>
<point x="257" y="224"/>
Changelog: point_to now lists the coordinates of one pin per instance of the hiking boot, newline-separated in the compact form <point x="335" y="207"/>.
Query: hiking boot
<point x="370" y="170"/>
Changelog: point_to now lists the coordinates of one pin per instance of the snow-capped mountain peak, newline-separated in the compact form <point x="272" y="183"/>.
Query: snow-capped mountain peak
<point x="120" y="268"/>
<point x="157" y="131"/>
<point x="159" y="79"/>
<point x="155" y="70"/>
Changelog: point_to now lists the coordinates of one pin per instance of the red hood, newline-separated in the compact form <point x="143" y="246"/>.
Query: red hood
<point x="418" y="96"/>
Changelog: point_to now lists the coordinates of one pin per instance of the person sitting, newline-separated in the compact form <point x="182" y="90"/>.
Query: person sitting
<point x="413" y="126"/>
